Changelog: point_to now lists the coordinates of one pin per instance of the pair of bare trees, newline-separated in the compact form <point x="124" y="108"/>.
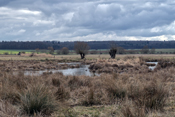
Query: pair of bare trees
<point x="82" y="49"/>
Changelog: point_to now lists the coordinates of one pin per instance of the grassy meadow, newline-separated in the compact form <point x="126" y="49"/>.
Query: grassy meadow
<point x="124" y="88"/>
<point x="14" y="51"/>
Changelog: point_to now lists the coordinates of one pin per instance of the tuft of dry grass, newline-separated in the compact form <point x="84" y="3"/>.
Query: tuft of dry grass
<point x="115" y="88"/>
<point x="56" y="82"/>
<point x="37" y="99"/>
<point x="130" y="110"/>
<point x="62" y="93"/>
<point x="8" y="110"/>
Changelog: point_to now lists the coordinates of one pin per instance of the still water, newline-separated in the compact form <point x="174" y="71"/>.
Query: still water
<point x="152" y="67"/>
<point x="82" y="70"/>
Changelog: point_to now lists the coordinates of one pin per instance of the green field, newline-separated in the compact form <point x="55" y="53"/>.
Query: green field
<point x="14" y="51"/>
<point x="157" y="51"/>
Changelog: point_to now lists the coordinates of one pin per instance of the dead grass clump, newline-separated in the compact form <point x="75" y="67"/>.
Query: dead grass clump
<point x="129" y="57"/>
<point x="56" y="82"/>
<point x="115" y="88"/>
<point x="152" y="95"/>
<point x="76" y="82"/>
<point x="37" y="99"/>
<point x="130" y="110"/>
<point x="90" y="99"/>
<point x="61" y="93"/>
<point x="8" y="110"/>
<point x="9" y="91"/>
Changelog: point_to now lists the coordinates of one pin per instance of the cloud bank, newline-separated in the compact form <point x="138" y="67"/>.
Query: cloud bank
<point x="85" y="20"/>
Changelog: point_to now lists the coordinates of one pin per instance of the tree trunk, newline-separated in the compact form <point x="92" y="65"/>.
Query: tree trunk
<point x="112" y="53"/>
<point x="82" y="55"/>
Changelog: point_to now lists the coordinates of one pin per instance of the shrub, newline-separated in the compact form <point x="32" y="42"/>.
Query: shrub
<point x="65" y="50"/>
<point x="130" y="110"/>
<point x="153" y="96"/>
<point x="91" y="98"/>
<point x="150" y="95"/>
<point x="6" y="53"/>
<point x="37" y="99"/>
<point x="115" y="88"/>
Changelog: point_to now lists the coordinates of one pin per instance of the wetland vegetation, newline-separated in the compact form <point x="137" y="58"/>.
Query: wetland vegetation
<point x="125" y="87"/>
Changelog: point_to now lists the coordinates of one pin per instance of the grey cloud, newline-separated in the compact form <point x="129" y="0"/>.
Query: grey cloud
<point x="71" y="20"/>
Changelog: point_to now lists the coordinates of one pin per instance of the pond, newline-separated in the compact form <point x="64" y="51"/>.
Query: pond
<point x="152" y="67"/>
<point x="82" y="70"/>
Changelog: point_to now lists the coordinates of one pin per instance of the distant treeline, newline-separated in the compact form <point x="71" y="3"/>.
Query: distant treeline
<point x="93" y="44"/>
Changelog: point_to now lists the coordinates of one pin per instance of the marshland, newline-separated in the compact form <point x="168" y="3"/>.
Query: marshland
<point x="120" y="87"/>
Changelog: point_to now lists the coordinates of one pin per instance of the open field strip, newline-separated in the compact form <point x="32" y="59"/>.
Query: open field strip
<point x="15" y="51"/>
<point x="94" y="56"/>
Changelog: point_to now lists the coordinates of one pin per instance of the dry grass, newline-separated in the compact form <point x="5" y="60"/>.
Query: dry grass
<point x="134" y="94"/>
<point x="37" y="99"/>
<point x="8" y="110"/>
<point x="89" y="57"/>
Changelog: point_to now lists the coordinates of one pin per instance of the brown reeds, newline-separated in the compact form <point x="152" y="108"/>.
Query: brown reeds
<point x="37" y="99"/>
<point x="136" y="93"/>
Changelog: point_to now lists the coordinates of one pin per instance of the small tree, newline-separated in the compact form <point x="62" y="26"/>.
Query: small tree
<point x="51" y="50"/>
<point x="81" y="48"/>
<point x="58" y="51"/>
<point x="120" y="50"/>
<point x="145" y="50"/>
<point x="65" y="50"/>
<point x="37" y="50"/>
<point x="152" y="51"/>
<point x="113" y="50"/>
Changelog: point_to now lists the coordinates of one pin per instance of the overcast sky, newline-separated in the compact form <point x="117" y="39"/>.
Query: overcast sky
<point x="85" y="20"/>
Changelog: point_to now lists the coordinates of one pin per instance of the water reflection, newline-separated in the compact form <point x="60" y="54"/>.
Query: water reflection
<point x="152" y="67"/>
<point x="82" y="70"/>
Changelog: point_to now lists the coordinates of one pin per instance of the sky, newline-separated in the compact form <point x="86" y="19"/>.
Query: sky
<point x="87" y="20"/>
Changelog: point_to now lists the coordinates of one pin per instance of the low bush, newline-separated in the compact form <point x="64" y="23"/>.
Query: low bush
<point x="153" y="96"/>
<point x="130" y="110"/>
<point x="37" y="99"/>
<point x="115" y="88"/>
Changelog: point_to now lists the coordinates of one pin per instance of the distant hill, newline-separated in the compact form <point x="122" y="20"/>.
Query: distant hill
<point x="92" y="44"/>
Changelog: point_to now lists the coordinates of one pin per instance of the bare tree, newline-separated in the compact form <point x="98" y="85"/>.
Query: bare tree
<point x="120" y="50"/>
<point x="58" y="52"/>
<point x="145" y="50"/>
<point x="65" y="50"/>
<point x="37" y="50"/>
<point x="113" y="50"/>
<point x="51" y="50"/>
<point x="152" y="51"/>
<point x="81" y="48"/>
